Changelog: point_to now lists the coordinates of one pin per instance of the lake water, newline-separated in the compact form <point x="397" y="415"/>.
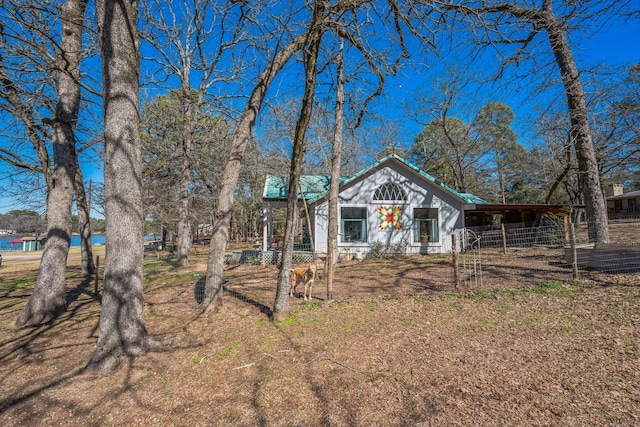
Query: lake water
<point x="96" y="239"/>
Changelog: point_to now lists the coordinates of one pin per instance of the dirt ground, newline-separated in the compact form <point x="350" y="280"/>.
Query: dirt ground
<point x="397" y="346"/>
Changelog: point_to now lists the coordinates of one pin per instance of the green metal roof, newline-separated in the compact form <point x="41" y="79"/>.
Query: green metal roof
<point x="314" y="187"/>
<point x="472" y="199"/>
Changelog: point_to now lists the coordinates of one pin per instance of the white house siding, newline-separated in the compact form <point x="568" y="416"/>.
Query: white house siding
<point x="421" y="193"/>
<point x="321" y="227"/>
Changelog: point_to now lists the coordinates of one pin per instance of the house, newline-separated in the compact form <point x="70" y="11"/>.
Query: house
<point x="390" y="202"/>
<point x="622" y="205"/>
<point x="32" y="243"/>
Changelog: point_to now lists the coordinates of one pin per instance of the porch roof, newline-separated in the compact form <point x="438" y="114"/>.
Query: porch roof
<point x="313" y="187"/>
<point x="501" y="208"/>
<point x="629" y="195"/>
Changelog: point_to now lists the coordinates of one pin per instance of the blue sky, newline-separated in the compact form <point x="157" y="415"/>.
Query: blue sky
<point x="617" y="45"/>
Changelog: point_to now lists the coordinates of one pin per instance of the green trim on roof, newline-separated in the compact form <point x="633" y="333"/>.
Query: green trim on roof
<point x="473" y="199"/>
<point x="315" y="187"/>
<point x="466" y="197"/>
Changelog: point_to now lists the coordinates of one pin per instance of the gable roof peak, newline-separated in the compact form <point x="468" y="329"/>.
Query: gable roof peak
<point x="466" y="197"/>
<point x="315" y="187"/>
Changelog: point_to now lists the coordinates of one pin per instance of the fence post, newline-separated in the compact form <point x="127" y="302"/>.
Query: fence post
<point x="504" y="238"/>
<point x="95" y="283"/>
<point x="454" y="252"/>
<point x="574" y="251"/>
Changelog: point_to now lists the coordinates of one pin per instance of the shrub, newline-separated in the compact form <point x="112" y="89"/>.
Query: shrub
<point x="387" y="250"/>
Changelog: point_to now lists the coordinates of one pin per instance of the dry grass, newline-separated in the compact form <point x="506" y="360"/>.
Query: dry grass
<point x="547" y="352"/>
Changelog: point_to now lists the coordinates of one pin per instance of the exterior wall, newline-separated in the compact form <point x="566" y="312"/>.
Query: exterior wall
<point x="33" y="244"/>
<point x="320" y="220"/>
<point x="625" y="206"/>
<point x="614" y="190"/>
<point x="421" y="193"/>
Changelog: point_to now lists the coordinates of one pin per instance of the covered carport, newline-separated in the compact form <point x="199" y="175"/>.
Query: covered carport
<point x="483" y="217"/>
<point x="505" y="225"/>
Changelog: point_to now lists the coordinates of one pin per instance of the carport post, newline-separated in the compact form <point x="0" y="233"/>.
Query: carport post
<point x="504" y="238"/>
<point x="454" y="252"/>
<point x="266" y="220"/>
<point x="574" y="251"/>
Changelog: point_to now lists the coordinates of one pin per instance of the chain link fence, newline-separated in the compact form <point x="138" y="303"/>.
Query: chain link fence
<point x="507" y="258"/>
<point x="270" y="257"/>
<point x="255" y="290"/>
<point x="557" y="251"/>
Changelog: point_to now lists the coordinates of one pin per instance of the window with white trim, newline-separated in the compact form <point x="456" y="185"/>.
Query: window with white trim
<point x="353" y="224"/>
<point x="425" y="225"/>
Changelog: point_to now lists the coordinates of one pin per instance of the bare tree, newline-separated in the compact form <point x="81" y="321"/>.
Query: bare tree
<point x="380" y="62"/>
<point x="190" y="40"/>
<point x="25" y="95"/>
<point x="122" y="333"/>
<point x="553" y="164"/>
<point x="508" y="23"/>
<point x="222" y="218"/>
<point x="492" y="127"/>
<point x="162" y="160"/>
<point x="332" y="234"/>
<point x="34" y="68"/>
<point x="616" y="125"/>
<point x="447" y="147"/>
<point x="281" y="304"/>
<point x="49" y="295"/>
<point x="83" y="206"/>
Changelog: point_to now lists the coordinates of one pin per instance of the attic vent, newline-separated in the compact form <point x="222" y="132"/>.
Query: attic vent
<point x="390" y="191"/>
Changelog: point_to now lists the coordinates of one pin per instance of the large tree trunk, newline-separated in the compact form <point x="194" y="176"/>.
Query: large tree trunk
<point x="84" y="225"/>
<point x="281" y="304"/>
<point x="122" y="333"/>
<point x="184" y="225"/>
<point x="332" y="234"/>
<point x="49" y="294"/>
<point x="222" y="218"/>
<point x="580" y="132"/>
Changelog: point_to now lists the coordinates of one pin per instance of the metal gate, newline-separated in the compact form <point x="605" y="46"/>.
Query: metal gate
<point x="470" y="262"/>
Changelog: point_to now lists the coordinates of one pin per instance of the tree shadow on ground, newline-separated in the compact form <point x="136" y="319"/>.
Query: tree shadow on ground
<point x="199" y="288"/>
<point x="83" y="288"/>
<point x="23" y="339"/>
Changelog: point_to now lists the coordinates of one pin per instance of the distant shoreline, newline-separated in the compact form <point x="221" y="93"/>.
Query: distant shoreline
<point x="98" y="239"/>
